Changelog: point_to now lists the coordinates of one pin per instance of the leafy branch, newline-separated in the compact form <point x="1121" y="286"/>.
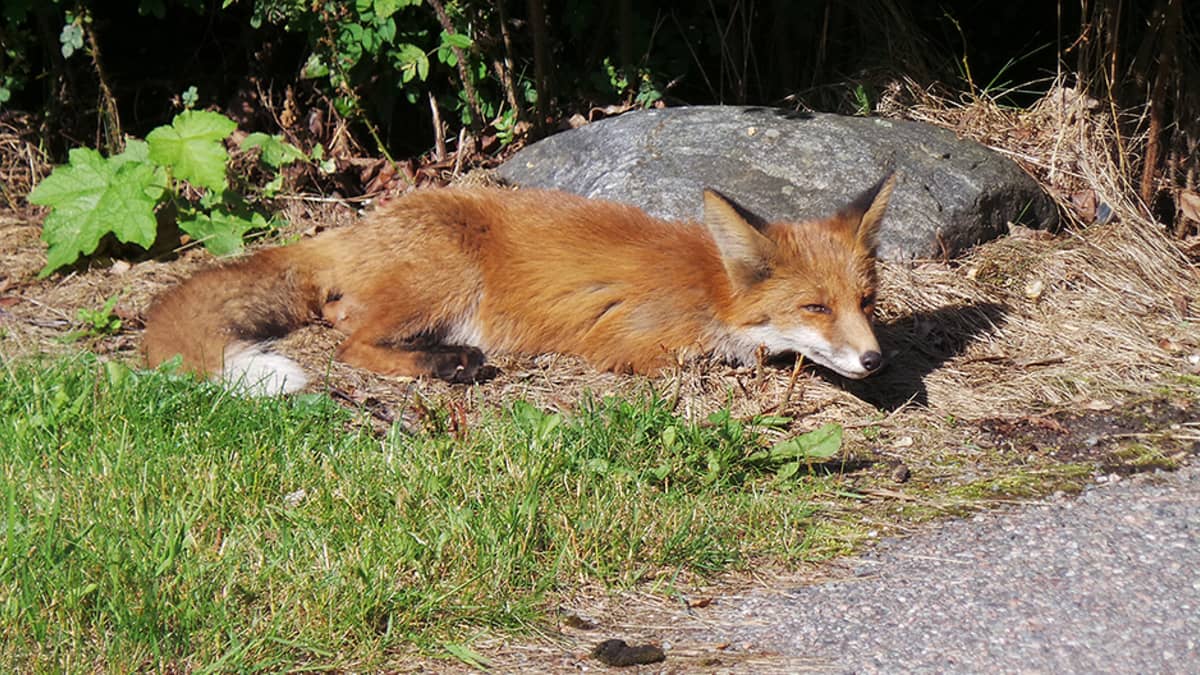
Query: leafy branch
<point x="93" y="196"/>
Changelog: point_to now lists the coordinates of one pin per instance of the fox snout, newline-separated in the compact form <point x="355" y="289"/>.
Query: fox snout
<point x="847" y="346"/>
<point x="846" y="360"/>
<point x="871" y="361"/>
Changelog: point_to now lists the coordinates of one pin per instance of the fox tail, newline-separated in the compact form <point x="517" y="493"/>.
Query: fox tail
<point x="220" y="321"/>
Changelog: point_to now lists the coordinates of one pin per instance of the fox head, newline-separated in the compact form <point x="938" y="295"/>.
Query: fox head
<point x="803" y="287"/>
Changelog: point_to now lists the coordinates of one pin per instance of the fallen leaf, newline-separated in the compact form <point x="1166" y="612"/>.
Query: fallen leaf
<point x="1169" y="345"/>
<point x="1084" y="202"/>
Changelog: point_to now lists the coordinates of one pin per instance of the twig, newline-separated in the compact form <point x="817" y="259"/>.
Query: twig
<point x="38" y="303"/>
<point x="477" y="120"/>
<point x="504" y="69"/>
<point x="458" y="151"/>
<point x="110" y="117"/>
<point x="787" y="395"/>
<point x="361" y="199"/>
<point x="899" y="409"/>
<point x="439" y="134"/>
<point x="1168" y="13"/>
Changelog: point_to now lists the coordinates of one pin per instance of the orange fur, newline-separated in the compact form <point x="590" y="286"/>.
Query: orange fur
<point x="437" y="277"/>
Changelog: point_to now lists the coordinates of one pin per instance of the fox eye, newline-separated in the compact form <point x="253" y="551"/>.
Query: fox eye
<point x="816" y="309"/>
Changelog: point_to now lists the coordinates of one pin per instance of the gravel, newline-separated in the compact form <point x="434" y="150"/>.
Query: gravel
<point x="1108" y="581"/>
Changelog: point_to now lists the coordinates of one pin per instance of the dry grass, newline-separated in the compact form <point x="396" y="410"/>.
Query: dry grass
<point x="22" y="161"/>
<point x="1025" y="323"/>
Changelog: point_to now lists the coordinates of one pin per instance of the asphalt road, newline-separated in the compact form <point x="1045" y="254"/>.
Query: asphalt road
<point x="1105" y="582"/>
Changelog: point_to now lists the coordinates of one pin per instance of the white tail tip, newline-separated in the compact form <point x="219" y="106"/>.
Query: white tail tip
<point x="251" y="370"/>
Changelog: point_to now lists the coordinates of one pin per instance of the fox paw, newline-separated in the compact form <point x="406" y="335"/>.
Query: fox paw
<point x="457" y="364"/>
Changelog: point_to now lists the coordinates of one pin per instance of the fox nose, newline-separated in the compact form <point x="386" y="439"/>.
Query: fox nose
<point x="871" y="361"/>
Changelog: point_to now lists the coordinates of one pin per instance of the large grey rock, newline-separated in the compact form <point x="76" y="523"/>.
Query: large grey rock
<point x="951" y="193"/>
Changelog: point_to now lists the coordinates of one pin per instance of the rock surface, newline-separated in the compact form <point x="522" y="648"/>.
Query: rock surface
<point x="950" y="194"/>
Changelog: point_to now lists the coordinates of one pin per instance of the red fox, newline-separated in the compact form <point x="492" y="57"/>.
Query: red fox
<point x="436" y="278"/>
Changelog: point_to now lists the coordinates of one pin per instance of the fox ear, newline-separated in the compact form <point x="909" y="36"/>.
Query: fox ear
<point x="745" y="252"/>
<point x="866" y="211"/>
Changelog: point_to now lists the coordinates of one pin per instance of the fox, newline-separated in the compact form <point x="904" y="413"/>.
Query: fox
<point x="432" y="281"/>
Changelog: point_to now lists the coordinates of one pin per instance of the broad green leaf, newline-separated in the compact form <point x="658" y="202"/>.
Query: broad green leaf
<point x="273" y="186"/>
<point x="821" y="443"/>
<point x="350" y="43"/>
<point x="787" y="470"/>
<point x="118" y="373"/>
<point x="135" y="151"/>
<point x="468" y="656"/>
<point x="445" y="50"/>
<point x="386" y="30"/>
<point x="386" y="8"/>
<point x="411" y="61"/>
<point x="314" y="67"/>
<point x="456" y="40"/>
<point x="772" y="421"/>
<point x="192" y="146"/>
<point x="371" y="40"/>
<point x="276" y="152"/>
<point x="221" y="232"/>
<point x="669" y="436"/>
<point x="92" y="196"/>
<point x="546" y="427"/>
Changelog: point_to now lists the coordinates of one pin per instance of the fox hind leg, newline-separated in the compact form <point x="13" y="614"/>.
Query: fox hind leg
<point x="413" y="357"/>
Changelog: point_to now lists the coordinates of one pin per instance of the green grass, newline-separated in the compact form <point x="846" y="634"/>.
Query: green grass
<point x="153" y="522"/>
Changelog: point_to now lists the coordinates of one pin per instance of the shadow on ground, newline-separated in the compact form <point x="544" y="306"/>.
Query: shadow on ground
<point x="917" y="345"/>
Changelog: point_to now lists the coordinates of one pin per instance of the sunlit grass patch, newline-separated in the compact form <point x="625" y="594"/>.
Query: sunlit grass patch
<point x="151" y="520"/>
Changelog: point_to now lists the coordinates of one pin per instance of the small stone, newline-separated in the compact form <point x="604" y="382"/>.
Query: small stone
<point x="619" y="654"/>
